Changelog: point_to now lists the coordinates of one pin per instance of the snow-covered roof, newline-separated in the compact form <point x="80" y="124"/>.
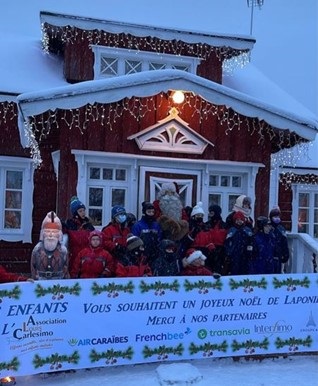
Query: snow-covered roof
<point x="150" y="83"/>
<point x="241" y="42"/>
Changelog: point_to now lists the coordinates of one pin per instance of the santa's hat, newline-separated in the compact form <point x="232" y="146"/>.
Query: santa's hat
<point x="194" y="255"/>
<point x="51" y="221"/>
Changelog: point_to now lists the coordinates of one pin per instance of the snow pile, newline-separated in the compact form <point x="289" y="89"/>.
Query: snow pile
<point x="180" y="374"/>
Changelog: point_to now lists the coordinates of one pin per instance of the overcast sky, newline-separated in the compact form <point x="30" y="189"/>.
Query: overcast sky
<point x="286" y="30"/>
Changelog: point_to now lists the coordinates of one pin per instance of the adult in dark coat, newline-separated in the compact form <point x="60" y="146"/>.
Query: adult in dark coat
<point x="281" y="242"/>
<point x="264" y="260"/>
<point x="238" y="246"/>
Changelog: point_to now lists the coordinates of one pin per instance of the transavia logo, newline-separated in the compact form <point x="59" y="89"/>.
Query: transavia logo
<point x="202" y="334"/>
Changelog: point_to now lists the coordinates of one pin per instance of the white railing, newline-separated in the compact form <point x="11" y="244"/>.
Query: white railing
<point x="303" y="254"/>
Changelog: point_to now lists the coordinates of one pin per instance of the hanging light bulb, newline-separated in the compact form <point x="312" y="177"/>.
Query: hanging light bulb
<point x="178" y="97"/>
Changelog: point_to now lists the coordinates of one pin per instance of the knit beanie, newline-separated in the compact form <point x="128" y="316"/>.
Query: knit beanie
<point x="195" y="255"/>
<point x="198" y="209"/>
<point x="133" y="242"/>
<point x="117" y="209"/>
<point x="75" y="205"/>
<point x="216" y="209"/>
<point x="147" y="205"/>
<point x="238" y="215"/>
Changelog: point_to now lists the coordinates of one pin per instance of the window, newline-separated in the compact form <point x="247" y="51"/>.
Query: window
<point x="119" y="61"/>
<point x="308" y="212"/>
<point x="16" y="181"/>
<point x="107" y="186"/>
<point x="224" y="190"/>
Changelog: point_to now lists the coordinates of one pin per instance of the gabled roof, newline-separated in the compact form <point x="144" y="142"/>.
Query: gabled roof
<point x="240" y="42"/>
<point x="149" y="83"/>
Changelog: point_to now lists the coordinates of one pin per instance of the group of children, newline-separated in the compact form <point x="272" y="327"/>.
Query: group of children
<point x="168" y="240"/>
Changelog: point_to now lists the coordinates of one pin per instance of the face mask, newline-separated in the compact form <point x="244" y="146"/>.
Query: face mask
<point x="276" y="220"/>
<point x="121" y="218"/>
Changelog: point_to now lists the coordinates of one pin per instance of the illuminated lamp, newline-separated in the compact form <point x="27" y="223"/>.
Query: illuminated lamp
<point x="178" y="97"/>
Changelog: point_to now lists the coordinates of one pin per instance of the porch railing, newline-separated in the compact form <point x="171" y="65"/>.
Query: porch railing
<point x="303" y="254"/>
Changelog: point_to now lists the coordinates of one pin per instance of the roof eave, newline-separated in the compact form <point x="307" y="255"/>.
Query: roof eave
<point x="239" y="42"/>
<point x="140" y="85"/>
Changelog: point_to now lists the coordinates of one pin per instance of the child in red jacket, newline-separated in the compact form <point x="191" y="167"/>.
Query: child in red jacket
<point x="93" y="261"/>
<point x="194" y="265"/>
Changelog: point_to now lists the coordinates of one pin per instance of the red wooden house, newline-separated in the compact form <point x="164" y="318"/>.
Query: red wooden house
<point x="113" y="133"/>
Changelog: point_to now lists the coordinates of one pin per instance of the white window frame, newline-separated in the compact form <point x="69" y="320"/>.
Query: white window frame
<point x="24" y="165"/>
<point x="145" y="58"/>
<point x="298" y="189"/>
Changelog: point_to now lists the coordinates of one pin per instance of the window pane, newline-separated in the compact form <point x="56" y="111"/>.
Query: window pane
<point x="214" y="199"/>
<point x="13" y="199"/>
<point x="316" y="215"/>
<point x="120" y="174"/>
<point x="304" y="199"/>
<point x="316" y="200"/>
<point x="12" y="219"/>
<point x="232" y="200"/>
<point x="316" y="231"/>
<point x="94" y="173"/>
<point x="236" y="182"/>
<point x="14" y="179"/>
<point x="95" y="197"/>
<point x="214" y="180"/>
<point x="118" y="197"/>
<point x="225" y="181"/>
<point x="96" y="216"/>
<point x="132" y="66"/>
<point x="157" y="66"/>
<point x="109" y="66"/>
<point x="303" y="220"/>
<point x="107" y="174"/>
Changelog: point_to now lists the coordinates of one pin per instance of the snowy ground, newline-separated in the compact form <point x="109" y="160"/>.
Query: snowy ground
<point x="292" y="371"/>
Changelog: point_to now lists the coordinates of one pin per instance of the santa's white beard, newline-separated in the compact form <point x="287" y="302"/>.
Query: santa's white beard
<point x="50" y="244"/>
<point x="171" y="206"/>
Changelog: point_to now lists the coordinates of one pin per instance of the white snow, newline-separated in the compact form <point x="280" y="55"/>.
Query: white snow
<point x="290" y="371"/>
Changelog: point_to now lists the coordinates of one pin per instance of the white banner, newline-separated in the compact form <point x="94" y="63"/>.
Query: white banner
<point x="71" y="324"/>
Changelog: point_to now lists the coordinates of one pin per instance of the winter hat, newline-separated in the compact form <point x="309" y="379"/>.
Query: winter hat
<point x="195" y="255"/>
<point x="75" y="205"/>
<point x="133" y="242"/>
<point x="51" y="221"/>
<point x="198" y="209"/>
<point x="275" y="211"/>
<point x="147" y="205"/>
<point x="238" y="216"/>
<point x="168" y="187"/>
<point x="117" y="209"/>
<point x="96" y="233"/>
<point x="216" y="209"/>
